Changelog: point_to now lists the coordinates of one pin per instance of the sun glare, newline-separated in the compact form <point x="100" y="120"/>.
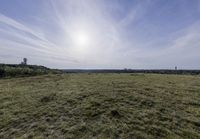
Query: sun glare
<point x="81" y="39"/>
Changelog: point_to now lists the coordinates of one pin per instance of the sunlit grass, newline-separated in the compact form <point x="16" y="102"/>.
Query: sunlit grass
<point x="100" y="106"/>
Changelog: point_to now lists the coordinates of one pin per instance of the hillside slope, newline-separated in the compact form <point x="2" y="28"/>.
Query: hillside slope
<point x="17" y="70"/>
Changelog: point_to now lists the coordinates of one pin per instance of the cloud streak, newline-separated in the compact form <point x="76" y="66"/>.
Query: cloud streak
<point x="124" y="35"/>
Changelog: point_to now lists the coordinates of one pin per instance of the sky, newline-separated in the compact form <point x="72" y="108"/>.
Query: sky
<point x="101" y="34"/>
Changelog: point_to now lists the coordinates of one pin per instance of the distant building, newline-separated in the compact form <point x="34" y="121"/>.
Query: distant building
<point x="175" y="67"/>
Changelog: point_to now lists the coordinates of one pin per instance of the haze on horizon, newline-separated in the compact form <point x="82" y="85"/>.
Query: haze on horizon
<point x="101" y="33"/>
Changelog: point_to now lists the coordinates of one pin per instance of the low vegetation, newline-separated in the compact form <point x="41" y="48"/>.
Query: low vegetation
<point x="142" y="106"/>
<point x="15" y="70"/>
<point x="158" y="71"/>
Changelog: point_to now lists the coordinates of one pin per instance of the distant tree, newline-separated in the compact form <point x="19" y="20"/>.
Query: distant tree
<point x="24" y="62"/>
<point x="2" y="72"/>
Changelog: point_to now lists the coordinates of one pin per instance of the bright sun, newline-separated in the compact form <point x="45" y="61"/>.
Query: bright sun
<point x="81" y="39"/>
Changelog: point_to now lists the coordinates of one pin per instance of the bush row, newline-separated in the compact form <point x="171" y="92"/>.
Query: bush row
<point x="18" y="71"/>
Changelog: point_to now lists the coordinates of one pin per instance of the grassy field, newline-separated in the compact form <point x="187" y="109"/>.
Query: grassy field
<point x="100" y="106"/>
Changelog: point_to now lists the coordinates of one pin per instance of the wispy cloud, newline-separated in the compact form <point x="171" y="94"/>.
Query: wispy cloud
<point x="122" y="35"/>
<point x="22" y="41"/>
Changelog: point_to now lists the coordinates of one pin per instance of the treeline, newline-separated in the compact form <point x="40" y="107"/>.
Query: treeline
<point x="15" y="70"/>
<point x="157" y="71"/>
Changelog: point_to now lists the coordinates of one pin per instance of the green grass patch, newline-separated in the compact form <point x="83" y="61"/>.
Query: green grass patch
<point x="100" y="106"/>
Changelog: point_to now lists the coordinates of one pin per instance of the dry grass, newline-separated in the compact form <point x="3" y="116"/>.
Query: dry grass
<point x="100" y="106"/>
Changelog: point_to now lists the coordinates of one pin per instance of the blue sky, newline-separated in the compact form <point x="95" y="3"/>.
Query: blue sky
<point x="101" y="33"/>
